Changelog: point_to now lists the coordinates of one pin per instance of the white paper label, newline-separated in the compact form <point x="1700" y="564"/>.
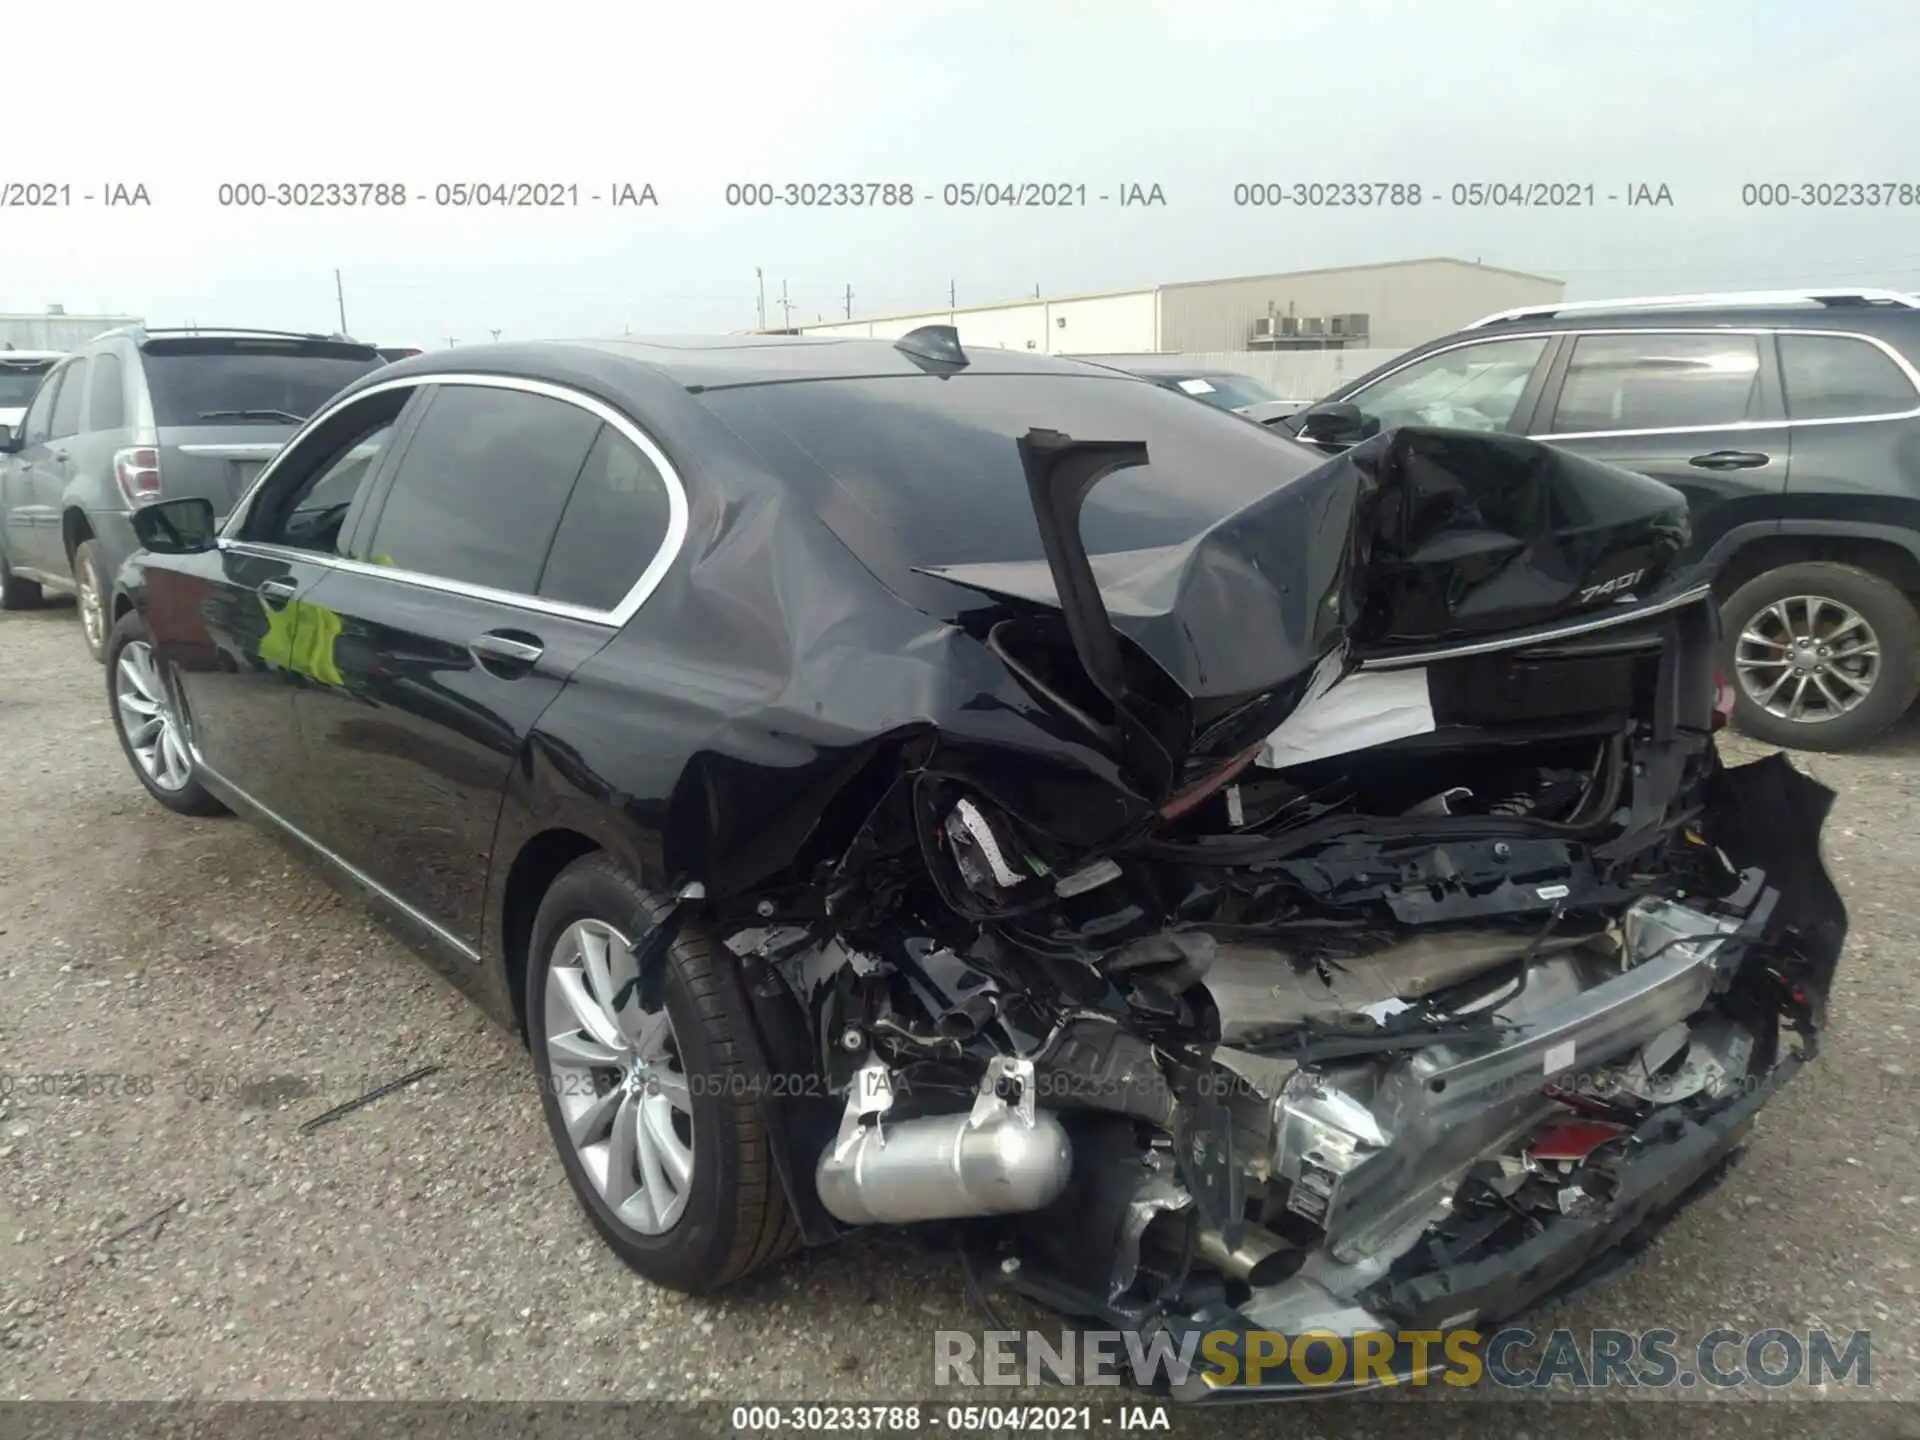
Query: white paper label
<point x="1196" y="387"/>
<point x="1559" y="1057"/>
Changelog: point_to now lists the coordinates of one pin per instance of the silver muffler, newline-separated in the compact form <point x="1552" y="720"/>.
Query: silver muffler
<point x="1261" y="1258"/>
<point x="1002" y="1157"/>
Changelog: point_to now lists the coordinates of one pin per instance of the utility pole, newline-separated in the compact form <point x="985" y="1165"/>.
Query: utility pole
<point x="849" y="302"/>
<point x="950" y="300"/>
<point x="340" y="296"/>
<point x="761" y="278"/>
<point x="786" y="310"/>
<point x="496" y="336"/>
<point x="1036" y="292"/>
<point x="451" y="342"/>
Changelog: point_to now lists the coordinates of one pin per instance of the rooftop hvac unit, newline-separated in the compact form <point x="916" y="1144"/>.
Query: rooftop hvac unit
<point x="1289" y="324"/>
<point x="1263" y="328"/>
<point x="1348" y="325"/>
<point x="1312" y="325"/>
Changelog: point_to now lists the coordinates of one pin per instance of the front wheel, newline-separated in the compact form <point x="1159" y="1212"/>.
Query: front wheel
<point x="147" y="720"/>
<point x="1822" y="655"/>
<point x="656" y="1113"/>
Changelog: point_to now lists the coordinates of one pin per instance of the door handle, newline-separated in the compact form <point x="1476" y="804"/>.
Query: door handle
<point x="278" y="591"/>
<point x="506" y="652"/>
<point x="1730" y="460"/>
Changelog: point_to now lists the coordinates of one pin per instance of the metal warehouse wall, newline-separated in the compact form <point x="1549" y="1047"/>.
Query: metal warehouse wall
<point x="1120" y="323"/>
<point x="1408" y="304"/>
<point x="57" y="332"/>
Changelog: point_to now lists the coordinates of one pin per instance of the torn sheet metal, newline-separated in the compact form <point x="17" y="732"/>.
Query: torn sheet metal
<point x="1366" y="708"/>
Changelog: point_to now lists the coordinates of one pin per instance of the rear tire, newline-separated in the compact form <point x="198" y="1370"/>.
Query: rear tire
<point x="17" y="593"/>
<point x="732" y="1217"/>
<point x="1767" y="630"/>
<point x="91" y="598"/>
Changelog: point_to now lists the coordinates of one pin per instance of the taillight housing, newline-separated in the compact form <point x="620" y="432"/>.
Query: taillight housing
<point x="1723" y="698"/>
<point x="137" y="472"/>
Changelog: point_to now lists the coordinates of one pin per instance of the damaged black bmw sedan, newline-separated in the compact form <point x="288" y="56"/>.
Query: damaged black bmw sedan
<point x="1208" y="884"/>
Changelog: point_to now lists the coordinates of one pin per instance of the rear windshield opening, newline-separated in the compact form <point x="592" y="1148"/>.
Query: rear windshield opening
<point x="248" y="382"/>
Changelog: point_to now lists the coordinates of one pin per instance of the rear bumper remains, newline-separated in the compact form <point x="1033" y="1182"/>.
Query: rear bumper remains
<point x="1674" y="1165"/>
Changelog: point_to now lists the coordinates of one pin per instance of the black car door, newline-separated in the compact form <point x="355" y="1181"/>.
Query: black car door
<point x="1698" y="409"/>
<point x="451" y="637"/>
<point x="1852" y="405"/>
<point x="236" y="621"/>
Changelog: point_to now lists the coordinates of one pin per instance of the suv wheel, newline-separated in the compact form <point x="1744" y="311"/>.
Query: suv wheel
<point x="1822" y="655"/>
<point x="16" y="593"/>
<point x="147" y="720"/>
<point x="656" y="1114"/>
<point x="91" y="598"/>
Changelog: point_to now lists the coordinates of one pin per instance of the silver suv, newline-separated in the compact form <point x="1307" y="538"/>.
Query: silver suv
<point x="138" y="415"/>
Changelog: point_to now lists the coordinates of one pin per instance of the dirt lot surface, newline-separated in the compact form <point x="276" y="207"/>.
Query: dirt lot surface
<point x="170" y="1233"/>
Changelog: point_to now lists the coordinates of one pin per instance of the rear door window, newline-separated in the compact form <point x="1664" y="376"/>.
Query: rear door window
<point x="1833" y="377"/>
<point x="107" y="404"/>
<point x="481" y="485"/>
<point x="201" y="380"/>
<point x="1659" y="382"/>
<point x="66" y="408"/>
<point x="614" y="525"/>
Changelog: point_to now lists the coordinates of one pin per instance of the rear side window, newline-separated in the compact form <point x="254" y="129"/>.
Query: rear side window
<point x="107" y="405"/>
<point x="66" y="409"/>
<point x="212" y="381"/>
<point x="1830" y="377"/>
<point x="613" y="526"/>
<point x="481" y="485"/>
<point x="1659" y="382"/>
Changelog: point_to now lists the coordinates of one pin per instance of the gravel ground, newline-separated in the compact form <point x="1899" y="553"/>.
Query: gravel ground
<point x="182" y="1239"/>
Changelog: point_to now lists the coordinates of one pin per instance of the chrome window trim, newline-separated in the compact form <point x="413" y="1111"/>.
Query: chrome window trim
<point x="248" y="450"/>
<point x="1759" y="331"/>
<point x="678" y="510"/>
<point x="1626" y="615"/>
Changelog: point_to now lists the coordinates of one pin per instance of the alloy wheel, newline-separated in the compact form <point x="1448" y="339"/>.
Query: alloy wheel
<point x="617" y="1075"/>
<point x="93" y="613"/>
<point x="148" y="718"/>
<point x="1807" y="658"/>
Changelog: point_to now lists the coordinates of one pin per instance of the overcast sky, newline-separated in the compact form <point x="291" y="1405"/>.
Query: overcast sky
<point x="1700" y="95"/>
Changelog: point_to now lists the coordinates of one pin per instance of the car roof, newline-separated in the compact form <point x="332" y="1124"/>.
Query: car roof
<point x="705" y="362"/>
<point x="1863" y="319"/>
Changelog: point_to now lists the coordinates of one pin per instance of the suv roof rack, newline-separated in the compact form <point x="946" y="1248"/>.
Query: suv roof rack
<point x="1727" y="300"/>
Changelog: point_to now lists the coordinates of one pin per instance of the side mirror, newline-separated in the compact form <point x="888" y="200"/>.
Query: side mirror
<point x="9" y="440"/>
<point x="1333" y="422"/>
<point x="176" y="527"/>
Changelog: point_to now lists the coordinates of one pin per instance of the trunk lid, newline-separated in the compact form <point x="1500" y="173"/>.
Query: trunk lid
<point x="1417" y="539"/>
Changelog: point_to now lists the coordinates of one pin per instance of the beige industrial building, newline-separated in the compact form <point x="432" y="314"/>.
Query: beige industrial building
<point x="1354" y="307"/>
<point x="54" y="329"/>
